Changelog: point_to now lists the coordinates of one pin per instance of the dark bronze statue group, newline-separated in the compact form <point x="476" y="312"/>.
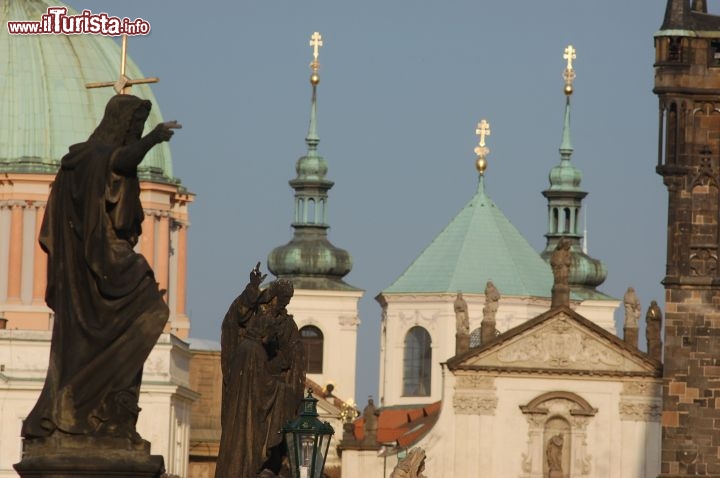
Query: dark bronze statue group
<point x="263" y="379"/>
<point x="109" y="313"/>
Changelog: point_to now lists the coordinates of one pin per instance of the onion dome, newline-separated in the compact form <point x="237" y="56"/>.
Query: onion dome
<point x="565" y="198"/>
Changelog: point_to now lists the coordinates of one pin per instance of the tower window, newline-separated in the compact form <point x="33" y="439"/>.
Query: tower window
<point x="312" y="340"/>
<point x="714" y="59"/>
<point x="311" y="218"/>
<point x="674" y="49"/>
<point x="566" y="222"/>
<point x="417" y="363"/>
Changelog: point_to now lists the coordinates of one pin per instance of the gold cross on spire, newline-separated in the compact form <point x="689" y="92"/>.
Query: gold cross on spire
<point x="569" y="55"/>
<point x="315" y="42"/>
<point x="123" y="83"/>
<point x="482" y="130"/>
<point x="569" y="73"/>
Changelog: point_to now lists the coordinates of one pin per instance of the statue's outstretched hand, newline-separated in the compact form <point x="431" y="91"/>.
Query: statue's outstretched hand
<point x="257" y="277"/>
<point x="164" y="131"/>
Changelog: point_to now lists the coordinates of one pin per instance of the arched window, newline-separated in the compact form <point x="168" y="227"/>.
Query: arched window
<point x="417" y="363"/>
<point x="312" y="340"/>
<point x="566" y="222"/>
<point x="311" y="218"/>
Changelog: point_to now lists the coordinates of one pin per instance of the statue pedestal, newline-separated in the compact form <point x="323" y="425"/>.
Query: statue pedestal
<point x="90" y="457"/>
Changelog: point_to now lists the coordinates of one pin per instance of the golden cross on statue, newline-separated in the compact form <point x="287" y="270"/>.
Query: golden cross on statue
<point x="570" y="56"/>
<point x="483" y="129"/>
<point x="123" y="83"/>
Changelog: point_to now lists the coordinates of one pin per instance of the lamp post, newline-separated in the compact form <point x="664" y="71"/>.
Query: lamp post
<point x="308" y="440"/>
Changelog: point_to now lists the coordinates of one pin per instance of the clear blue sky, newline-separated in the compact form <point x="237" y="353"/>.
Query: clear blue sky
<point x="403" y="85"/>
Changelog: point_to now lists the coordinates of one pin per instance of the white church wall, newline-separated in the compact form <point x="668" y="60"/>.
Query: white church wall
<point x="365" y="464"/>
<point x="483" y="432"/>
<point x="165" y="397"/>
<point x="435" y="313"/>
<point x="601" y="312"/>
<point x="335" y="313"/>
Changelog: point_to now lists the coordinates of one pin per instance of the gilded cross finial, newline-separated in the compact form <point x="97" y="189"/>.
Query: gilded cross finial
<point x="569" y="73"/>
<point x="570" y="55"/>
<point x="315" y="42"/>
<point x="482" y="130"/>
<point x="123" y="83"/>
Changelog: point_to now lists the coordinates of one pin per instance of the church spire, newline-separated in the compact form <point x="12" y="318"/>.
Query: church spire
<point x="309" y="259"/>
<point x="312" y="140"/>
<point x="565" y="201"/>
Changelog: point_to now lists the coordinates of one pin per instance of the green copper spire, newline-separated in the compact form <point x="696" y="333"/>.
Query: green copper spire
<point x="565" y="203"/>
<point x="309" y="259"/>
<point x="566" y="148"/>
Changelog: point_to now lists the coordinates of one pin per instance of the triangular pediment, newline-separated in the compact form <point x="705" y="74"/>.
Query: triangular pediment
<point x="558" y="341"/>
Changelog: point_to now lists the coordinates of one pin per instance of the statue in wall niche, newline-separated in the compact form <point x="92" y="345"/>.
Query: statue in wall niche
<point x="263" y="378"/>
<point x="411" y="466"/>
<point x="632" y="308"/>
<point x="462" y="319"/>
<point x="108" y="310"/>
<point x="553" y="453"/>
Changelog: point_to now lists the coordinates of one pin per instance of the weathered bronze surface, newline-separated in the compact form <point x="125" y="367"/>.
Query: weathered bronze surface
<point x="263" y="379"/>
<point x="108" y="310"/>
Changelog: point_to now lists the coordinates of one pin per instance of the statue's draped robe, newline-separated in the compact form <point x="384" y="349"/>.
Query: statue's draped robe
<point x="108" y="310"/>
<point x="262" y="387"/>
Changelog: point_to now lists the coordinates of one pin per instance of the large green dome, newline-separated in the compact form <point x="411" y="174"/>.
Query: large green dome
<point x="45" y="106"/>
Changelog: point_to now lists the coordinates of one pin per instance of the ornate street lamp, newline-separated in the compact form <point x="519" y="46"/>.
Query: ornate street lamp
<point x="308" y="440"/>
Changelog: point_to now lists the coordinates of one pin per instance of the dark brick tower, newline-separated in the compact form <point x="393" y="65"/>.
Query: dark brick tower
<point x="687" y="82"/>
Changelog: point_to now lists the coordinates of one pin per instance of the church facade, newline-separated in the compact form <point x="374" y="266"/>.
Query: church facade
<point x="490" y="375"/>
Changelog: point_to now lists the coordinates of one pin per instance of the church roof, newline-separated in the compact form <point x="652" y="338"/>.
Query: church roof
<point x="401" y="425"/>
<point x="45" y="103"/>
<point x="478" y="245"/>
<point x="680" y="15"/>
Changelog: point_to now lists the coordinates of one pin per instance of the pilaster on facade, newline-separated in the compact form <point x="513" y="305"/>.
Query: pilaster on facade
<point x="23" y="264"/>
